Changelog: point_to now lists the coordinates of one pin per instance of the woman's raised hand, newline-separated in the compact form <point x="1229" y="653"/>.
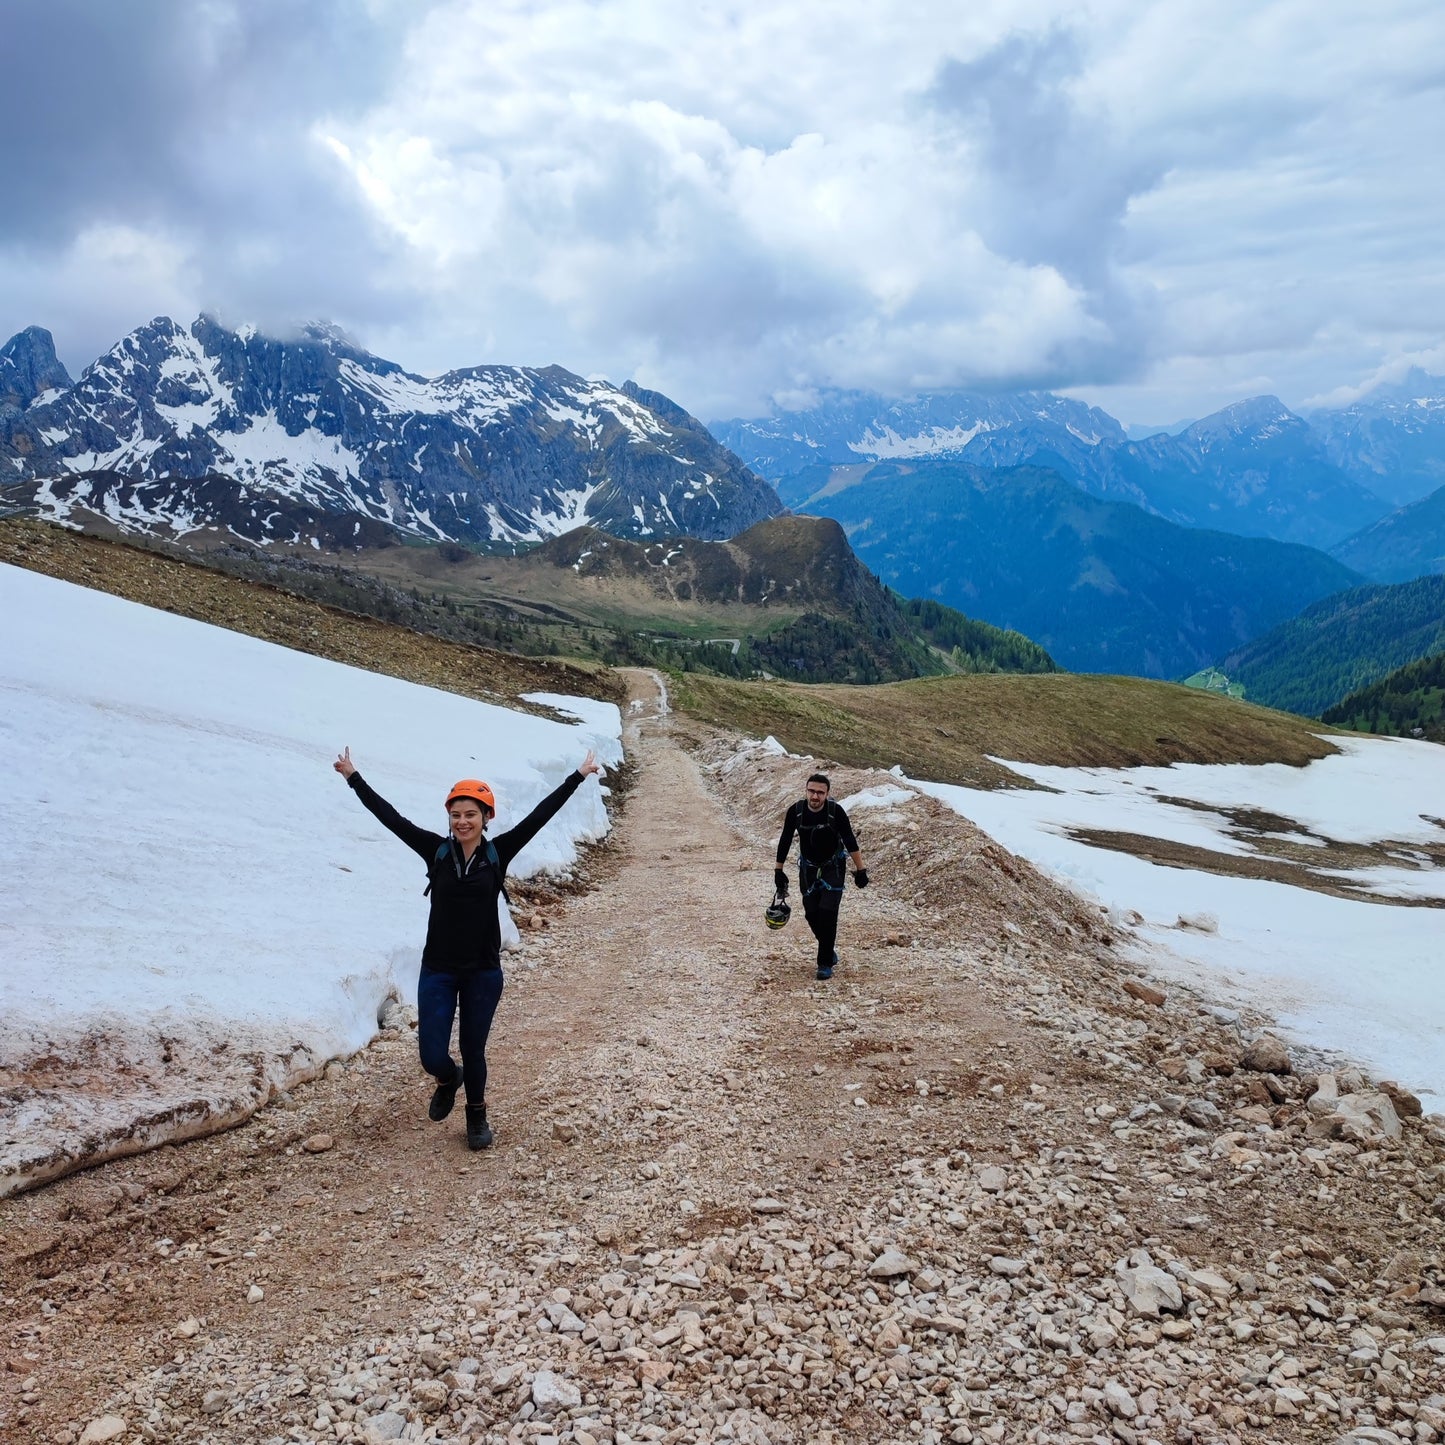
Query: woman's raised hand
<point x="590" y="764"/>
<point x="346" y="767"/>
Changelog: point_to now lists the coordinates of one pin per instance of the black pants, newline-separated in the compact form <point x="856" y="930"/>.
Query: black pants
<point x="438" y="997"/>
<point x="822" y="891"/>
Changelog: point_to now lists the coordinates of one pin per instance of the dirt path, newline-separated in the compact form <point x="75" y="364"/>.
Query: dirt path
<point x="700" y="1153"/>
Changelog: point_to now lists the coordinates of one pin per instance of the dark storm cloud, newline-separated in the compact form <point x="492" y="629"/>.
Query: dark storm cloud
<point x="108" y="108"/>
<point x="190" y="122"/>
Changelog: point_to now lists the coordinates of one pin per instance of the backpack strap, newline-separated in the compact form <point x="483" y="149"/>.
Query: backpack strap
<point x="444" y="851"/>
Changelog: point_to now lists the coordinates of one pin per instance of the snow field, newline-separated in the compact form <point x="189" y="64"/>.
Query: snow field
<point x="1366" y="979"/>
<point x="187" y="877"/>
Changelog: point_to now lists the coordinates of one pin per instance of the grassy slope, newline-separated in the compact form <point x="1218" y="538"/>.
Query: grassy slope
<point x="155" y="580"/>
<point x="946" y="727"/>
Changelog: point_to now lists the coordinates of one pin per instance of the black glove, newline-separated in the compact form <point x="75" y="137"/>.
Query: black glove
<point x="860" y="877"/>
<point x="780" y="882"/>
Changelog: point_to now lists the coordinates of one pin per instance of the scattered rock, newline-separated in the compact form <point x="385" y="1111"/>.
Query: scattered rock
<point x="1119" y="1402"/>
<point x="1267" y="1055"/>
<point x="1202" y="1114"/>
<point x="768" y="1205"/>
<point x="550" y="1391"/>
<point x="1407" y="1106"/>
<point x="318" y="1143"/>
<point x="564" y="1132"/>
<point x="1009" y="1268"/>
<point x="106" y="1428"/>
<point x="431" y="1395"/>
<point x="255" y="1295"/>
<point x="1144" y="993"/>
<point x="891" y="1264"/>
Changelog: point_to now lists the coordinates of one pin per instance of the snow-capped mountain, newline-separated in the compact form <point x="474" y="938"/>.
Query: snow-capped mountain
<point x="1254" y="468"/>
<point x="176" y="430"/>
<point x="29" y="368"/>
<point x="1393" y="439"/>
<point x="847" y="428"/>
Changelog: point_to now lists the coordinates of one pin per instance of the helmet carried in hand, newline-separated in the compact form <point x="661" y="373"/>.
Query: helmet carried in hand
<point x="777" y="912"/>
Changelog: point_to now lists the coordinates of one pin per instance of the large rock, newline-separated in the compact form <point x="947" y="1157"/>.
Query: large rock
<point x="383" y="1427"/>
<point x="891" y="1264"/>
<point x="551" y="1392"/>
<point x="1266" y="1055"/>
<point x="1368" y="1116"/>
<point x="1148" y="1288"/>
<point x="103" y="1430"/>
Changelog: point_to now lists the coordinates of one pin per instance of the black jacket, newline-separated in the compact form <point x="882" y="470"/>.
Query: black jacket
<point x="463" y="932"/>
<point x="823" y="837"/>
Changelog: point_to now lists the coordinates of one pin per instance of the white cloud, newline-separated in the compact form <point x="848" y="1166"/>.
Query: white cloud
<point x="1148" y="204"/>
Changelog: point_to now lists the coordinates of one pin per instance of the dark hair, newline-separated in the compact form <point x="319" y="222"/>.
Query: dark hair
<point x="821" y="778"/>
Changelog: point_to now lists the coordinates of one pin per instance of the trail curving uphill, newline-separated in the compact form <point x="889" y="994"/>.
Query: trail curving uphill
<point x="729" y="1202"/>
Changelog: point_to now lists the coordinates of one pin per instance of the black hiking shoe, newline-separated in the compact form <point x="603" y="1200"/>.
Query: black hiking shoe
<point x="825" y="970"/>
<point x="479" y="1132"/>
<point x="443" y="1097"/>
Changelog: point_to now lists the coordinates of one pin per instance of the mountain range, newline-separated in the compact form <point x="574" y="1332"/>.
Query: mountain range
<point x="312" y="440"/>
<point x="1255" y="468"/>
<point x="1104" y="586"/>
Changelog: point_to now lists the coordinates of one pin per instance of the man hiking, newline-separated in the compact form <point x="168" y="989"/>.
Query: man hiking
<point x="825" y="842"/>
<point x="461" y="964"/>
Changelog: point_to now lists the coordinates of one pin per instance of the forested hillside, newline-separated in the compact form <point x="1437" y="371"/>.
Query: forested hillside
<point x="1410" y="702"/>
<point x="1341" y="644"/>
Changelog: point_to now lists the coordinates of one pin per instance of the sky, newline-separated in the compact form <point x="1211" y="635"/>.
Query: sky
<point x="1159" y="208"/>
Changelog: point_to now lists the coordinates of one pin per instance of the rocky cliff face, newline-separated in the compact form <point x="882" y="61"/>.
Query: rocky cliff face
<point x="29" y="368"/>
<point x="311" y="439"/>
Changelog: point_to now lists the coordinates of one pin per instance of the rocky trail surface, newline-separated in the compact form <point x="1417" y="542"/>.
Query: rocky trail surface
<point x="987" y="1184"/>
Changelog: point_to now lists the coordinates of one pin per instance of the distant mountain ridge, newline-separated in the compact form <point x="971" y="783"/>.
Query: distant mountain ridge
<point x="1104" y="586"/>
<point x="836" y="621"/>
<point x="1255" y="468"/>
<point x="176" y="430"/>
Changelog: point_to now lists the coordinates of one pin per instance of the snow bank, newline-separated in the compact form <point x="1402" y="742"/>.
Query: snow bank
<point x="1363" y="978"/>
<point x="197" y="909"/>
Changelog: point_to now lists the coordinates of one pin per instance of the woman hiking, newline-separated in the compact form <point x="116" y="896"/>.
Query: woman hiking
<point x="461" y="964"/>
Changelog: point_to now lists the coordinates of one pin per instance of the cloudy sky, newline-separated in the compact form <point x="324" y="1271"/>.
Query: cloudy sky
<point x="1160" y="207"/>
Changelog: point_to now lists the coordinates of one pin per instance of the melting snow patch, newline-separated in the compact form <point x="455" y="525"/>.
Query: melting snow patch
<point x="244" y="916"/>
<point x="1359" y="976"/>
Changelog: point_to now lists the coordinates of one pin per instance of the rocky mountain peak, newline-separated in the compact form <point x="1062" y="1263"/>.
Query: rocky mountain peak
<point x="1255" y="418"/>
<point x="307" y="437"/>
<point x="29" y="368"/>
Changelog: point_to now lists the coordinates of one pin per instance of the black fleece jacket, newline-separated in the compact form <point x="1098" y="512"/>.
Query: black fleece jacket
<point x="463" y="933"/>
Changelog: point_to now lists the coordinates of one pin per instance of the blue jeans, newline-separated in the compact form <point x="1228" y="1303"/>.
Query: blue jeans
<point x="438" y="996"/>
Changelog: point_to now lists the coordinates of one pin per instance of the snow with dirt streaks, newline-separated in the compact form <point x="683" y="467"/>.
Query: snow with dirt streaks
<point x="1364" y="978"/>
<point x="193" y="894"/>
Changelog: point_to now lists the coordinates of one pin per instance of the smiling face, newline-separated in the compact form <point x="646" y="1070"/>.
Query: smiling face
<point x="467" y="819"/>
<point x="817" y="794"/>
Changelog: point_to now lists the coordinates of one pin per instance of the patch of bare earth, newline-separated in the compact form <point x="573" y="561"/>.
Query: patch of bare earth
<point x="955" y="1194"/>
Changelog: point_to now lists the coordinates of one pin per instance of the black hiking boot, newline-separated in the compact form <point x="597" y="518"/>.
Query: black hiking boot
<point x="825" y="970"/>
<point x="443" y="1097"/>
<point x="479" y="1132"/>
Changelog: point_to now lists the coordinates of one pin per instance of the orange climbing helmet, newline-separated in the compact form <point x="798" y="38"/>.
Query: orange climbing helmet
<point x="476" y="790"/>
